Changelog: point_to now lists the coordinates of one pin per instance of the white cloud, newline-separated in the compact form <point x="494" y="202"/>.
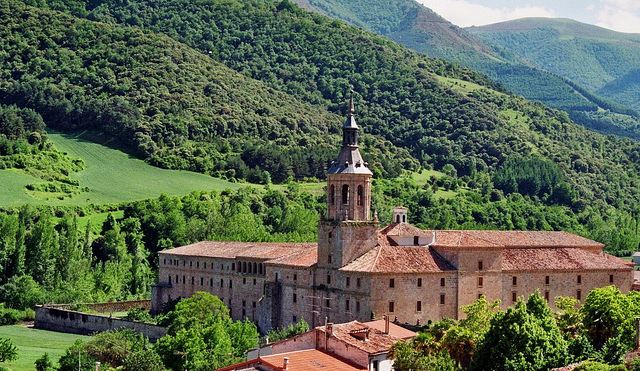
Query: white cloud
<point x="620" y="15"/>
<point x="466" y="13"/>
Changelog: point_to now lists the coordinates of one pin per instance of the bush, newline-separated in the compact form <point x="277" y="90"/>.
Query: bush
<point x="139" y="315"/>
<point x="44" y="363"/>
<point x="21" y="292"/>
<point x="8" y="351"/>
<point x="75" y="355"/>
<point x="144" y="360"/>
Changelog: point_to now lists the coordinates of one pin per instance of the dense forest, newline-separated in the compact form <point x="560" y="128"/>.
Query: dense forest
<point x="322" y="58"/>
<point x="601" y="60"/>
<point x="417" y="27"/>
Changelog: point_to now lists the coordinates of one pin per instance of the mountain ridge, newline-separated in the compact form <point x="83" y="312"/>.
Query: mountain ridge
<point x="438" y="38"/>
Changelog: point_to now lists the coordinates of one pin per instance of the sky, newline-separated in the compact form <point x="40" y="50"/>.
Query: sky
<point x="619" y="15"/>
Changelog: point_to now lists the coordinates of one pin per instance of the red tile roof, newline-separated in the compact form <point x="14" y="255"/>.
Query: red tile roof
<point x="250" y="250"/>
<point x="303" y="258"/>
<point x="308" y="360"/>
<point x="396" y="331"/>
<point x="512" y="239"/>
<point x="559" y="259"/>
<point x="393" y="259"/>
<point x="403" y="229"/>
<point x="377" y="341"/>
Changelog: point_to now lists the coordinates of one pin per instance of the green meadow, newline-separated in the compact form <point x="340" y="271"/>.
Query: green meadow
<point x="32" y="344"/>
<point x="111" y="176"/>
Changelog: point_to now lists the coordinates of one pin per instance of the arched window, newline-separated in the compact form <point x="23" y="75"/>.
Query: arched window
<point x="397" y="218"/>
<point x="332" y="195"/>
<point x="360" y="196"/>
<point x="345" y="194"/>
<point x="255" y="268"/>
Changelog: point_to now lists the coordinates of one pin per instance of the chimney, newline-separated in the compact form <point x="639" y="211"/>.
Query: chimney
<point x="330" y="328"/>
<point x="285" y="363"/>
<point x="386" y="324"/>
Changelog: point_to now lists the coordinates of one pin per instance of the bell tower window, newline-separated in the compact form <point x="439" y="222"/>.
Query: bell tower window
<point x="332" y="195"/>
<point x="360" y="196"/>
<point x="345" y="194"/>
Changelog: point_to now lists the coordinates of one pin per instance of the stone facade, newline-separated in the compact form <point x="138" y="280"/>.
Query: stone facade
<point x="360" y="271"/>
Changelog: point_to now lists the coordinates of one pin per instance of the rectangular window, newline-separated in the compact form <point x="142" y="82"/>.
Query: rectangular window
<point x="169" y="279"/>
<point x="244" y="312"/>
<point x="205" y="265"/>
<point x="193" y="280"/>
<point x="358" y="306"/>
<point x="579" y="295"/>
<point x="184" y="279"/>
<point x="328" y="279"/>
<point x="358" y="282"/>
<point x="419" y="282"/>
<point x="348" y="281"/>
<point x="295" y="298"/>
<point x="418" y="306"/>
<point x="165" y="261"/>
<point x="514" y="281"/>
<point x="254" y="282"/>
<point x="230" y="284"/>
<point x="546" y="295"/>
<point x="198" y="264"/>
<point x="329" y="259"/>
<point x="480" y="281"/>
<point x="442" y="299"/>
<point x="326" y="303"/>
<point x="416" y="240"/>
<point x="221" y="282"/>
<point x="514" y="297"/>
<point x="579" y="279"/>
<point x="480" y="265"/>
<point x="392" y="283"/>
<point x="253" y="304"/>
<point x="346" y="305"/>
<point x="295" y="319"/>
<point x="295" y="276"/>
<point x="233" y="266"/>
<point x="244" y="280"/>
<point x="611" y="278"/>
<point x="244" y="303"/>
<point x="546" y="280"/>
<point x="210" y="282"/>
<point x="442" y="282"/>
<point x="391" y="307"/>
<point x="201" y="281"/>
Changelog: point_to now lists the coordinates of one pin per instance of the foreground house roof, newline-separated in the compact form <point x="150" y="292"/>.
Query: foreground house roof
<point x="301" y="360"/>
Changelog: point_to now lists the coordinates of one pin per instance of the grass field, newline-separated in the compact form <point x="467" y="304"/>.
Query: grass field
<point x="112" y="176"/>
<point x="32" y="344"/>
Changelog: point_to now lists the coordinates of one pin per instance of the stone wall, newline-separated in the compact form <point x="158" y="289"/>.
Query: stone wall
<point x="116" y="306"/>
<point x="69" y="321"/>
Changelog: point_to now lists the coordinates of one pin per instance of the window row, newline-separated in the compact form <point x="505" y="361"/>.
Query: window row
<point x="392" y="282"/>
<point x="202" y="281"/>
<point x="392" y="305"/>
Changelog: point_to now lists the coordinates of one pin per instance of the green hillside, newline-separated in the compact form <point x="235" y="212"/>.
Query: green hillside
<point x="110" y="176"/>
<point x="409" y="104"/>
<point x="419" y="28"/>
<point x="599" y="59"/>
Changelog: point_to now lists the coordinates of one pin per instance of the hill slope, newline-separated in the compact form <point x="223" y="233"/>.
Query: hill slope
<point x="162" y="99"/>
<point x="442" y="114"/>
<point x="599" y="59"/>
<point x="417" y="27"/>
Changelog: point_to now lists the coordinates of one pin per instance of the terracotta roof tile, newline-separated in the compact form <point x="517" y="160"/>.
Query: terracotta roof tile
<point x="403" y="229"/>
<point x="307" y="257"/>
<point x="309" y="360"/>
<point x="254" y="250"/>
<point x="512" y="239"/>
<point x="559" y="259"/>
<point x="377" y="341"/>
<point x="396" y="331"/>
<point x="399" y="259"/>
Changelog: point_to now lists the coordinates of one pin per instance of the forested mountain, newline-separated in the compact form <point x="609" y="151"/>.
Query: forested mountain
<point x="417" y="27"/>
<point x="237" y="88"/>
<point x="601" y="60"/>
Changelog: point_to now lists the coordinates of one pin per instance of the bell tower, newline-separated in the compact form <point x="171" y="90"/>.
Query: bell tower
<point x="349" y="178"/>
<point x="348" y="230"/>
